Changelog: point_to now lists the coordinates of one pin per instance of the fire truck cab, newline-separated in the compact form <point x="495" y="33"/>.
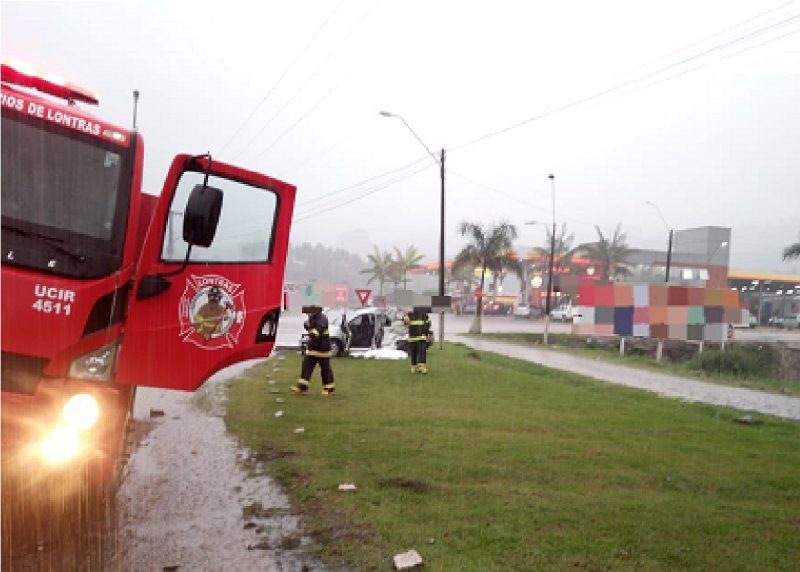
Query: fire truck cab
<point x="105" y="288"/>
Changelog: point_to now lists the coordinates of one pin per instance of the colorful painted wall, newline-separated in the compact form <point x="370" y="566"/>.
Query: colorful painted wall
<point x="657" y="311"/>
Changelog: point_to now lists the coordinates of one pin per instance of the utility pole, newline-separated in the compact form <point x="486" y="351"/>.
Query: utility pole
<point x="440" y="162"/>
<point x="669" y="254"/>
<point x="669" y="244"/>
<point x="441" y="253"/>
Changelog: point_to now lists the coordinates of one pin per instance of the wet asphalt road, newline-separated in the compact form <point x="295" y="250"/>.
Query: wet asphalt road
<point x="291" y="327"/>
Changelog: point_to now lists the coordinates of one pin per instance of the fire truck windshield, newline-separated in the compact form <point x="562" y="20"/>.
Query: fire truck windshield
<point x="65" y="199"/>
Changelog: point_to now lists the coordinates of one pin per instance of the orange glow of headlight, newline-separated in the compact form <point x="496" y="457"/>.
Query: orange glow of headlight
<point x="61" y="445"/>
<point x="81" y="411"/>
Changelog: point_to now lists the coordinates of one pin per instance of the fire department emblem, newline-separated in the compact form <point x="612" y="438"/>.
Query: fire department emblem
<point x="211" y="312"/>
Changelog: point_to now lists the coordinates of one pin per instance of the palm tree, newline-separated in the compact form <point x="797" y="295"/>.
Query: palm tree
<point x="563" y="251"/>
<point x="464" y="276"/>
<point x="382" y="267"/>
<point x="405" y="261"/>
<point x="792" y="251"/>
<point x="490" y="249"/>
<point x="611" y="253"/>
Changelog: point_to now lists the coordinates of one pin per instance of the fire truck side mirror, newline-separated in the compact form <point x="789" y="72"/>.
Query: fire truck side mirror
<point x="202" y="215"/>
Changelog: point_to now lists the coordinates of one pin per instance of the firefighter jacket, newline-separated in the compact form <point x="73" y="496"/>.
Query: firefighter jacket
<point x="319" y="342"/>
<point x="419" y="325"/>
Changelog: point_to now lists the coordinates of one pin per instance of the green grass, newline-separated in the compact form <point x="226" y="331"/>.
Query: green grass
<point x="737" y="366"/>
<point x="490" y="463"/>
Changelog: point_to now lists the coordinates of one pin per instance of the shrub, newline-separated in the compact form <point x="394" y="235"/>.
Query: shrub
<point x="737" y="360"/>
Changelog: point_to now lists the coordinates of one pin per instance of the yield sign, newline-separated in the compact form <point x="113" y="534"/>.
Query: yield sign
<point x="363" y="295"/>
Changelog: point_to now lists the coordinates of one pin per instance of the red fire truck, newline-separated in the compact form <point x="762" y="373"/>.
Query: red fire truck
<point x="106" y="288"/>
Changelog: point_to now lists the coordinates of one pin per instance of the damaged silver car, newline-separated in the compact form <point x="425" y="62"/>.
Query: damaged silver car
<point x="353" y="329"/>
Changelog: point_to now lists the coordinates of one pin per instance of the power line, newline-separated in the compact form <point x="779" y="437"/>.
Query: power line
<point x="319" y="153"/>
<point x="619" y="86"/>
<point x="761" y="45"/>
<point x="496" y="191"/>
<point x="597" y="95"/>
<point x="365" y="194"/>
<point x="714" y="35"/>
<point x="314" y="73"/>
<point x="301" y="118"/>
<point x="778" y="24"/>
<point x="314" y="209"/>
<point x="285" y="72"/>
<point x="370" y="179"/>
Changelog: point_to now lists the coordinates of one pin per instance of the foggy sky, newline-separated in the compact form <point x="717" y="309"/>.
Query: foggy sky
<point x="690" y="105"/>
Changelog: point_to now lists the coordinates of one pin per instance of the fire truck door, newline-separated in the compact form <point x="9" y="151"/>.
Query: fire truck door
<point x="190" y="316"/>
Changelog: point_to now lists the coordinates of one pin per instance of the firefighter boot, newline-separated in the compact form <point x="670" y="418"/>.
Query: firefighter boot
<point x="328" y="389"/>
<point x="300" y="387"/>
<point x="413" y="369"/>
<point x="423" y="369"/>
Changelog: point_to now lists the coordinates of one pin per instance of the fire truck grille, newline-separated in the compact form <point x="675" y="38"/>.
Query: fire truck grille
<point x="21" y="374"/>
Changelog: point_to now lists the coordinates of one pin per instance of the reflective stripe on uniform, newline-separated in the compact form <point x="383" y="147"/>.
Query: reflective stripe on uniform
<point x="317" y="353"/>
<point x="329" y="386"/>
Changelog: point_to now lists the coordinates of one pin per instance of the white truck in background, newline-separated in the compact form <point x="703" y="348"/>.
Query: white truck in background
<point x="563" y="313"/>
<point x="747" y="320"/>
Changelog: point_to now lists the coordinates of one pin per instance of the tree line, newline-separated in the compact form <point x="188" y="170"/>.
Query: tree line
<point x="308" y="262"/>
<point x="490" y="249"/>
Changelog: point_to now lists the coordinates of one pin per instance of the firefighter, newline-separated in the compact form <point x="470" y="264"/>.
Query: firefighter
<point x="318" y="351"/>
<point x="208" y="320"/>
<point x="419" y="328"/>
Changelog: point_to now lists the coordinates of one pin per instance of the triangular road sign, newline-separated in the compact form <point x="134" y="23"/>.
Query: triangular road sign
<point x="363" y="295"/>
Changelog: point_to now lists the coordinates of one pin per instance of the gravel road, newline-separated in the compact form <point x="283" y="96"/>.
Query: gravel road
<point x="183" y="497"/>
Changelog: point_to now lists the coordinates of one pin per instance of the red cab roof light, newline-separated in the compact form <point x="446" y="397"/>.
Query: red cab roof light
<point x="22" y="74"/>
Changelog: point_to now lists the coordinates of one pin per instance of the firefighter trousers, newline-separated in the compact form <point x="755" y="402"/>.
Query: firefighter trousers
<point x="310" y="362"/>
<point x="418" y="351"/>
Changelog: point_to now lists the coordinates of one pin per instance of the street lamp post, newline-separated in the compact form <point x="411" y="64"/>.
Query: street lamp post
<point x="551" y="261"/>
<point x="669" y="243"/>
<point x="549" y="278"/>
<point x="439" y="162"/>
<point x="552" y="177"/>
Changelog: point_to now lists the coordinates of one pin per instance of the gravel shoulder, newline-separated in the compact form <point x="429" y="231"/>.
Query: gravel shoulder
<point x="186" y="502"/>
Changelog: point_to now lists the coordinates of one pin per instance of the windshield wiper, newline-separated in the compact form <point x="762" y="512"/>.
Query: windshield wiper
<point x="51" y="241"/>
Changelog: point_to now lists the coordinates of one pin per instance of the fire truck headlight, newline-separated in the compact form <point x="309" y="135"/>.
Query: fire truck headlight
<point x="95" y="366"/>
<point x="60" y="446"/>
<point x="81" y="411"/>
